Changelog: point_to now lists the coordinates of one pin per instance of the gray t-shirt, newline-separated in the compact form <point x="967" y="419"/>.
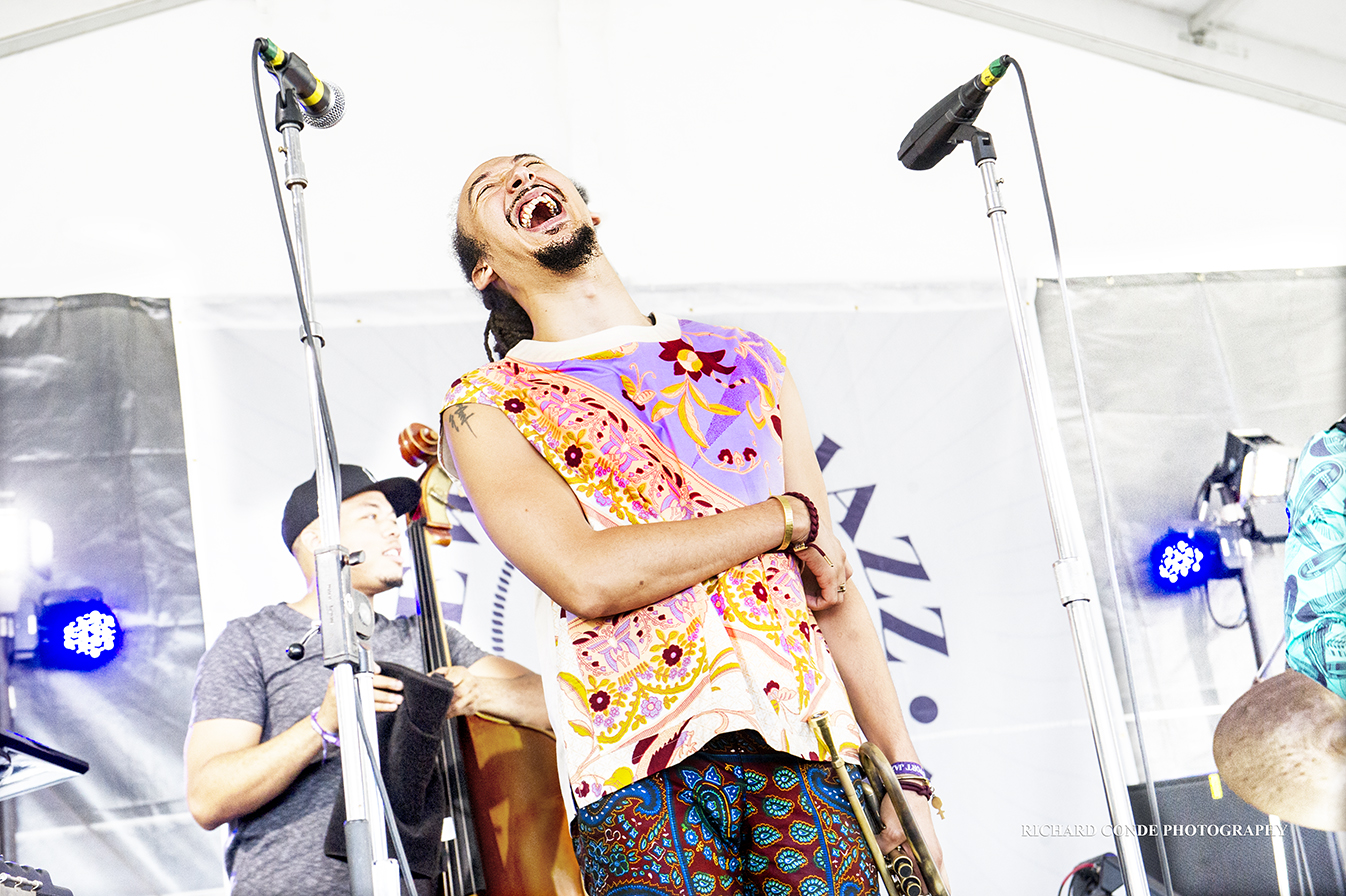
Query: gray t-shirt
<point x="278" y="850"/>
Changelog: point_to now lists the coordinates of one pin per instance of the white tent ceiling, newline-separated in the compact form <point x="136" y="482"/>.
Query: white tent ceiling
<point x="25" y="24"/>
<point x="1283" y="51"/>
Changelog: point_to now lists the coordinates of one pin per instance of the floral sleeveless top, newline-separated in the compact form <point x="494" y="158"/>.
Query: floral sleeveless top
<point x="670" y="422"/>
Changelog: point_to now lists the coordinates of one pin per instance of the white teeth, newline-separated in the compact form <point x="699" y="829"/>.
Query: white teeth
<point x="526" y="217"/>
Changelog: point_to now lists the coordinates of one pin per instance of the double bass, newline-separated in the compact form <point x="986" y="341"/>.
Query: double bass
<point x="504" y="776"/>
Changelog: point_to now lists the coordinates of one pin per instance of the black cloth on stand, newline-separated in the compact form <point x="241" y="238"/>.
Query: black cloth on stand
<point x="409" y="741"/>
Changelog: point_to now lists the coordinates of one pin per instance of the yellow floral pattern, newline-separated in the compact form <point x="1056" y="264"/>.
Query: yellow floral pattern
<point x="653" y="431"/>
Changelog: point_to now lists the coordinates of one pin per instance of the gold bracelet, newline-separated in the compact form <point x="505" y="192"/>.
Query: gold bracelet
<point x="789" y="523"/>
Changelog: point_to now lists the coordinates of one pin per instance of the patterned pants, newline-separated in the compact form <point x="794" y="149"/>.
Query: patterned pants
<point x="736" y="818"/>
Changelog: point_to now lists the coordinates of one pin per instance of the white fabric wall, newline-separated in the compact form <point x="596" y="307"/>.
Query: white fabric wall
<point x="1172" y="363"/>
<point x="918" y="388"/>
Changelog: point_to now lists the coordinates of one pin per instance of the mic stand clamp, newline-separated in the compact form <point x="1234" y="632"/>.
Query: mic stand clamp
<point x="346" y="616"/>
<point x="982" y="147"/>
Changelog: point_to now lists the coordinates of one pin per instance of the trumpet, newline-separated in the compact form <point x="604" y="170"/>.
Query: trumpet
<point x="899" y="874"/>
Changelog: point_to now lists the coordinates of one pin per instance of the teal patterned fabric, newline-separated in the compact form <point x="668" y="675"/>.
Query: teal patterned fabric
<point x="1315" y="563"/>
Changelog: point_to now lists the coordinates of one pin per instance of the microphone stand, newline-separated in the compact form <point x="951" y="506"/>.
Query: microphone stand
<point x="345" y="616"/>
<point x="1074" y="575"/>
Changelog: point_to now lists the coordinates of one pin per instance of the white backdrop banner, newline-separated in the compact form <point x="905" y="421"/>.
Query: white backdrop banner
<point x="917" y="413"/>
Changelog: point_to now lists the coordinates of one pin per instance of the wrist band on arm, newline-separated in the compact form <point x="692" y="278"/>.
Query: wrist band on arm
<point x="921" y="787"/>
<point x="329" y="738"/>
<point x="813" y="521"/>
<point x="910" y="768"/>
<point x="789" y="523"/>
<point x="913" y="777"/>
<point x="916" y="785"/>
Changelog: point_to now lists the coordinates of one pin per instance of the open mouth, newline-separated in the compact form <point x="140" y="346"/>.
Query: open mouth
<point x="538" y="209"/>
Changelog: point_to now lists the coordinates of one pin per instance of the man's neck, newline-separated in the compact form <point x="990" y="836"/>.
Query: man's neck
<point x="308" y="604"/>
<point x="577" y="304"/>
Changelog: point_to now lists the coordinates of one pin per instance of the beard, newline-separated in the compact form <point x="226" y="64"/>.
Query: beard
<point x="572" y="252"/>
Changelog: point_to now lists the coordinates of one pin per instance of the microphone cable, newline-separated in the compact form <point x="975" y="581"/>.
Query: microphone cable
<point x="1243" y="614"/>
<point x="329" y="436"/>
<point x="1087" y="420"/>
<point x="390" y="820"/>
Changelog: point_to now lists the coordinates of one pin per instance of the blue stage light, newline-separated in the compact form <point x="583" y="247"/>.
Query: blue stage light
<point x="81" y="633"/>
<point x="1183" y="560"/>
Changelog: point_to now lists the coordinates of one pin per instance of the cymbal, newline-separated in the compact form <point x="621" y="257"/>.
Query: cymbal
<point x="1282" y="748"/>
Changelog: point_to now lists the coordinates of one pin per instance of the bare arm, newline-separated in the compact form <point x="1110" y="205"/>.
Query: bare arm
<point x="532" y="516"/>
<point x="498" y="687"/>
<point x="847" y="624"/>
<point x="231" y="771"/>
<point x="869" y="685"/>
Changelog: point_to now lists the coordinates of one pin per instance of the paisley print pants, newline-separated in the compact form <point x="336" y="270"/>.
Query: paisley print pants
<point x="735" y="818"/>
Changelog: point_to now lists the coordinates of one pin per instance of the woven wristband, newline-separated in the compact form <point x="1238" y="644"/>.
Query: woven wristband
<point x="911" y="768"/>
<point x="916" y="785"/>
<point x="921" y="787"/>
<point x="329" y="738"/>
<point x="813" y="521"/>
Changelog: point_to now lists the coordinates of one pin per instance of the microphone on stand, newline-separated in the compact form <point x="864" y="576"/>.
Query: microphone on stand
<point x="933" y="136"/>
<point x="323" y="102"/>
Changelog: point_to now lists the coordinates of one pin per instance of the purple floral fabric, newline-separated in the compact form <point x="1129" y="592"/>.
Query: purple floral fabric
<point x="683" y="425"/>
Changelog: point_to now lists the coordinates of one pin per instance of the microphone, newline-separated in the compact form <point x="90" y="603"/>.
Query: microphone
<point x="323" y="102"/>
<point x="933" y="135"/>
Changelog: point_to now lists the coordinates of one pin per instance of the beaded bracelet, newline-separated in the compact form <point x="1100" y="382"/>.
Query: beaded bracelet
<point x="813" y="521"/>
<point x="329" y="738"/>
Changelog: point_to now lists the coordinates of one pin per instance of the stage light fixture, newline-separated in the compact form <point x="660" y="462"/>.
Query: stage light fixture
<point x="77" y="630"/>
<point x="1249" y="487"/>
<point x="1181" y="560"/>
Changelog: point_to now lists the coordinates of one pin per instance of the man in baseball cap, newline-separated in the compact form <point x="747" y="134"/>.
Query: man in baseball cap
<point x="260" y="750"/>
<point x="302" y="508"/>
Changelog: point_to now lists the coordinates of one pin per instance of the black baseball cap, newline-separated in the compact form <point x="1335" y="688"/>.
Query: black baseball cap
<point x="302" y="508"/>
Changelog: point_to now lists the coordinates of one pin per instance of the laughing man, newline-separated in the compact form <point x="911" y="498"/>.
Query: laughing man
<point x="655" y="478"/>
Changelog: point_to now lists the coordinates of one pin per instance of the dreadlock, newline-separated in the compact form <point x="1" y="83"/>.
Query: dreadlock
<point x="508" y="322"/>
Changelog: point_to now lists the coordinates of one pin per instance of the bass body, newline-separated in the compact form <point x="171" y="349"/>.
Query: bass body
<point x="511" y="836"/>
